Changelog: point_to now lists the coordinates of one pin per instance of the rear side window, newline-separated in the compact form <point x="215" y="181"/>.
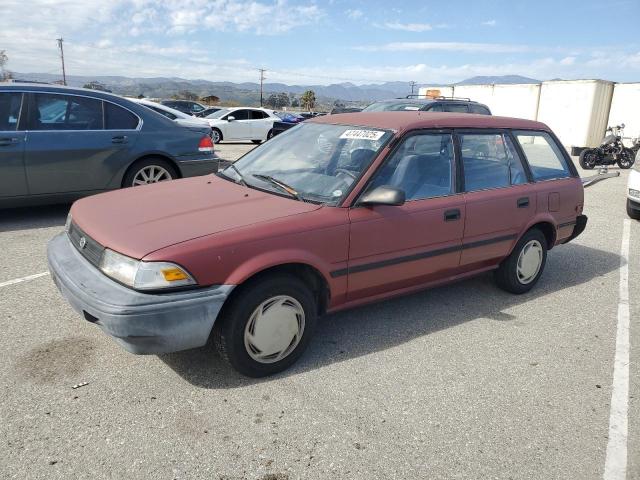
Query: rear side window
<point x="66" y="112"/>
<point x="436" y="107"/>
<point x="490" y="161"/>
<point x="543" y="154"/>
<point x="169" y="115"/>
<point x="422" y="166"/>
<point x="117" y="118"/>
<point x="258" y="115"/>
<point x="10" y="104"/>
<point x="240" y="114"/>
<point x="456" y="107"/>
<point x="473" y="108"/>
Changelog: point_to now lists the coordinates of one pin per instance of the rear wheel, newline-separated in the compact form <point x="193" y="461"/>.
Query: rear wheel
<point x="149" y="170"/>
<point x="521" y="270"/>
<point x="270" y="135"/>
<point x="266" y="326"/>
<point x="216" y="135"/>
<point x="626" y="159"/>
<point x="588" y="158"/>
<point x="632" y="212"/>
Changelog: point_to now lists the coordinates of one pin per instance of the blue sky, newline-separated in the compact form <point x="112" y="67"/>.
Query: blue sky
<point x="314" y="42"/>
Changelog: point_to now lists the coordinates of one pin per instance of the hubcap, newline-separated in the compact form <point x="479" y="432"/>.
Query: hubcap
<point x="274" y="329"/>
<point x="216" y="137"/>
<point x="151" y="174"/>
<point x="529" y="261"/>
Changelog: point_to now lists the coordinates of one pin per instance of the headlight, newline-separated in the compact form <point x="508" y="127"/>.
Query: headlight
<point x="144" y="275"/>
<point x="634" y="193"/>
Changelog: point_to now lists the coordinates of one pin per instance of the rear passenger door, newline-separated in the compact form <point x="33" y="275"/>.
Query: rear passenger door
<point x="12" y="136"/>
<point x="68" y="148"/>
<point x="395" y="247"/>
<point x="499" y="201"/>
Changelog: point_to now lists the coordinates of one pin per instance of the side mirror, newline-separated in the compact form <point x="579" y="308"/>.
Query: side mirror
<point x="383" y="195"/>
<point x="230" y="119"/>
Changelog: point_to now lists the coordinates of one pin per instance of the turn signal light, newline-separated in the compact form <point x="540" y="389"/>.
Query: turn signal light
<point x="206" y="144"/>
<point x="173" y="274"/>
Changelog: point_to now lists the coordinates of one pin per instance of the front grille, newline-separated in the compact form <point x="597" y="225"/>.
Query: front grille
<point x="91" y="250"/>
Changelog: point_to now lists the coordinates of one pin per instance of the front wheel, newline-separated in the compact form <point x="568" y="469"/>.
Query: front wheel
<point x="266" y="326"/>
<point x="626" y="159"/>
<point x="521" y="270"/>
<point x="588" y="158"/>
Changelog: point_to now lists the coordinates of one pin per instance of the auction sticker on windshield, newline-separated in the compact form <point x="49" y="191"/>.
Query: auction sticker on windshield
<point x="372" y="135"/>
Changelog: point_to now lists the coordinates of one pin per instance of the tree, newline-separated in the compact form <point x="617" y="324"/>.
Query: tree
<point x="294" y="102"/>
<point x="95" y="85"/>
<point x="210" y="99"/>
<point x="141" y="96"/>
<point x="308" y="100"/>
<point x="283" y="100"/>
<point x="272" y="100"/>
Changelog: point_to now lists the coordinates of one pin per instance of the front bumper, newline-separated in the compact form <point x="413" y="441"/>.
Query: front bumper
<point x="142" y="323"/>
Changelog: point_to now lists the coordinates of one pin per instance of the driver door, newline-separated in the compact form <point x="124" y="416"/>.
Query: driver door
<point x="396" y="247"/>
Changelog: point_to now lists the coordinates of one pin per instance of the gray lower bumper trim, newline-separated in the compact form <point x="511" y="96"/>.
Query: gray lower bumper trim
<point x="140" y="322"/>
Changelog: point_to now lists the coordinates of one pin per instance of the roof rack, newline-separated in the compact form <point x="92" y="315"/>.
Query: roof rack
<point x="439" y="97"/>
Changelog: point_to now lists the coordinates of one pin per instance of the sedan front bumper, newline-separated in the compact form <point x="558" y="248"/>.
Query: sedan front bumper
<point x="142" y="323"/>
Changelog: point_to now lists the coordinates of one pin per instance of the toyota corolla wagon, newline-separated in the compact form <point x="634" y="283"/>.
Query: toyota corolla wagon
<point x="336" y="212"/>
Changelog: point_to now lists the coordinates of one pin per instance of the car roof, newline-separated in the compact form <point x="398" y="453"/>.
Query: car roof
<point x="48" y="87"/>
<point x="425" y="101"/>
<point x="401" y="121"/>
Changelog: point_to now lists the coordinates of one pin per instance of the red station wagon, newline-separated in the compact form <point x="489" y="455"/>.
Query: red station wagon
<point x="336" y="212"/>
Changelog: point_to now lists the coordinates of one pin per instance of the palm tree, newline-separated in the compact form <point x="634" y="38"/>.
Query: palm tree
<point x="308" y="100"/>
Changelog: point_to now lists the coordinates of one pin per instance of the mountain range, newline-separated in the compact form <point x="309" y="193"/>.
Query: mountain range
<point x="248" y="93"/>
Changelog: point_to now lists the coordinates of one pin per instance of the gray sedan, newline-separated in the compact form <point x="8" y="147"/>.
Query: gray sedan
<point x="58" y="144"/>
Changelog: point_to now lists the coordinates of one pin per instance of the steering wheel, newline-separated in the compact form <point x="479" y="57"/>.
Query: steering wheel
<point x="346" y="172"/>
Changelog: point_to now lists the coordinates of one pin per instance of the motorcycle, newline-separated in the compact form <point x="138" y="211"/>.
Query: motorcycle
<point x="611" y="151"/>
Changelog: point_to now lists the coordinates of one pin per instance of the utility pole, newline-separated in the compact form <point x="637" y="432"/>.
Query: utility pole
<point x="262" y="77"/>
<point x="64" y="74"/>
<point x="413" y="84"/>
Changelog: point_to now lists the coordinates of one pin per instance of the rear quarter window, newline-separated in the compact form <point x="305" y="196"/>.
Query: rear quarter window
<point x="544" y="156"/>
<point x="117" y="118"/>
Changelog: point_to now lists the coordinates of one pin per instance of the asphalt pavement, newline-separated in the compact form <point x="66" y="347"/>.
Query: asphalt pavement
<point x="459" y="382"/>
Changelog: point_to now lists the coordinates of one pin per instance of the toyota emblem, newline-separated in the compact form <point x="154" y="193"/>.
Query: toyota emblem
<point x="83" y="242"/>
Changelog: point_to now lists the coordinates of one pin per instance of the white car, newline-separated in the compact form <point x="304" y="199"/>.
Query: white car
<point x="242" y="124"/>
<point x="633" y="190"/>
<point x="172" y="114"/>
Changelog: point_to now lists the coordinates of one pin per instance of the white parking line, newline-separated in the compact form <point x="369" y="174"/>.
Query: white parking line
<point x="615" y="466"/>
<point x="23" y="279"/>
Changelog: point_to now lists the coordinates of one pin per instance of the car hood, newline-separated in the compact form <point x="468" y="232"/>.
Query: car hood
<point x="140" y="220"/>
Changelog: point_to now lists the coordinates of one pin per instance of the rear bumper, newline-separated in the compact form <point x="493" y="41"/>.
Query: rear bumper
<point x="141" y="323"/>
<point x="194" y="167"/>
<point x="581" y="224"/>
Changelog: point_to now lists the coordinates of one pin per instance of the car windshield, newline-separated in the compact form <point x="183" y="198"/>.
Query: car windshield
<point x="312" y="162"/>
<point x="219" y="113"/>
<point x="393" y="107"/>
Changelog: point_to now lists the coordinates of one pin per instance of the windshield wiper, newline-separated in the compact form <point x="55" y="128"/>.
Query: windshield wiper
<point x="241" y="180"/>
<point x="278" y="183"/>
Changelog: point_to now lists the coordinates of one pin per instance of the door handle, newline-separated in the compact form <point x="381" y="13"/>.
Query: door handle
<point x="451" y="215"/>
<point x="523" y="202"/>
<point x="4" y="142"/>
<point x="119" y="139"/>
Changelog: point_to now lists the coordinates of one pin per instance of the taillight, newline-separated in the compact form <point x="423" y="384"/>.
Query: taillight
<point x="206" y="144"/>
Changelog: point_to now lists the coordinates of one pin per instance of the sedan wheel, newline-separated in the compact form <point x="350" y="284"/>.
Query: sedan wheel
<point x="521" y="270"/>
<point x="151" y="174"/>
<point x="274" y="329"/>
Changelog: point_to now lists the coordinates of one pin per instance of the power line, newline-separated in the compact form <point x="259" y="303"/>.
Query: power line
<point x="413" y="84"/>
<point x="64" y="74"/>
<point x="262" y="78"/>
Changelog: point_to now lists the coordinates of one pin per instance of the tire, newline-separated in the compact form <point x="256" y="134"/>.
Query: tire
<point x="257" y="142"/>
<point x="633" y="213"/>
<point x="216" y="135"/>
<point x="270" y="135"/>
<point x="588" y="158"/>
<point x="136" y="173"/>
<point x="236" y="336"/>
<point x="628" y="160"/>
<point x="512" y="278"/>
